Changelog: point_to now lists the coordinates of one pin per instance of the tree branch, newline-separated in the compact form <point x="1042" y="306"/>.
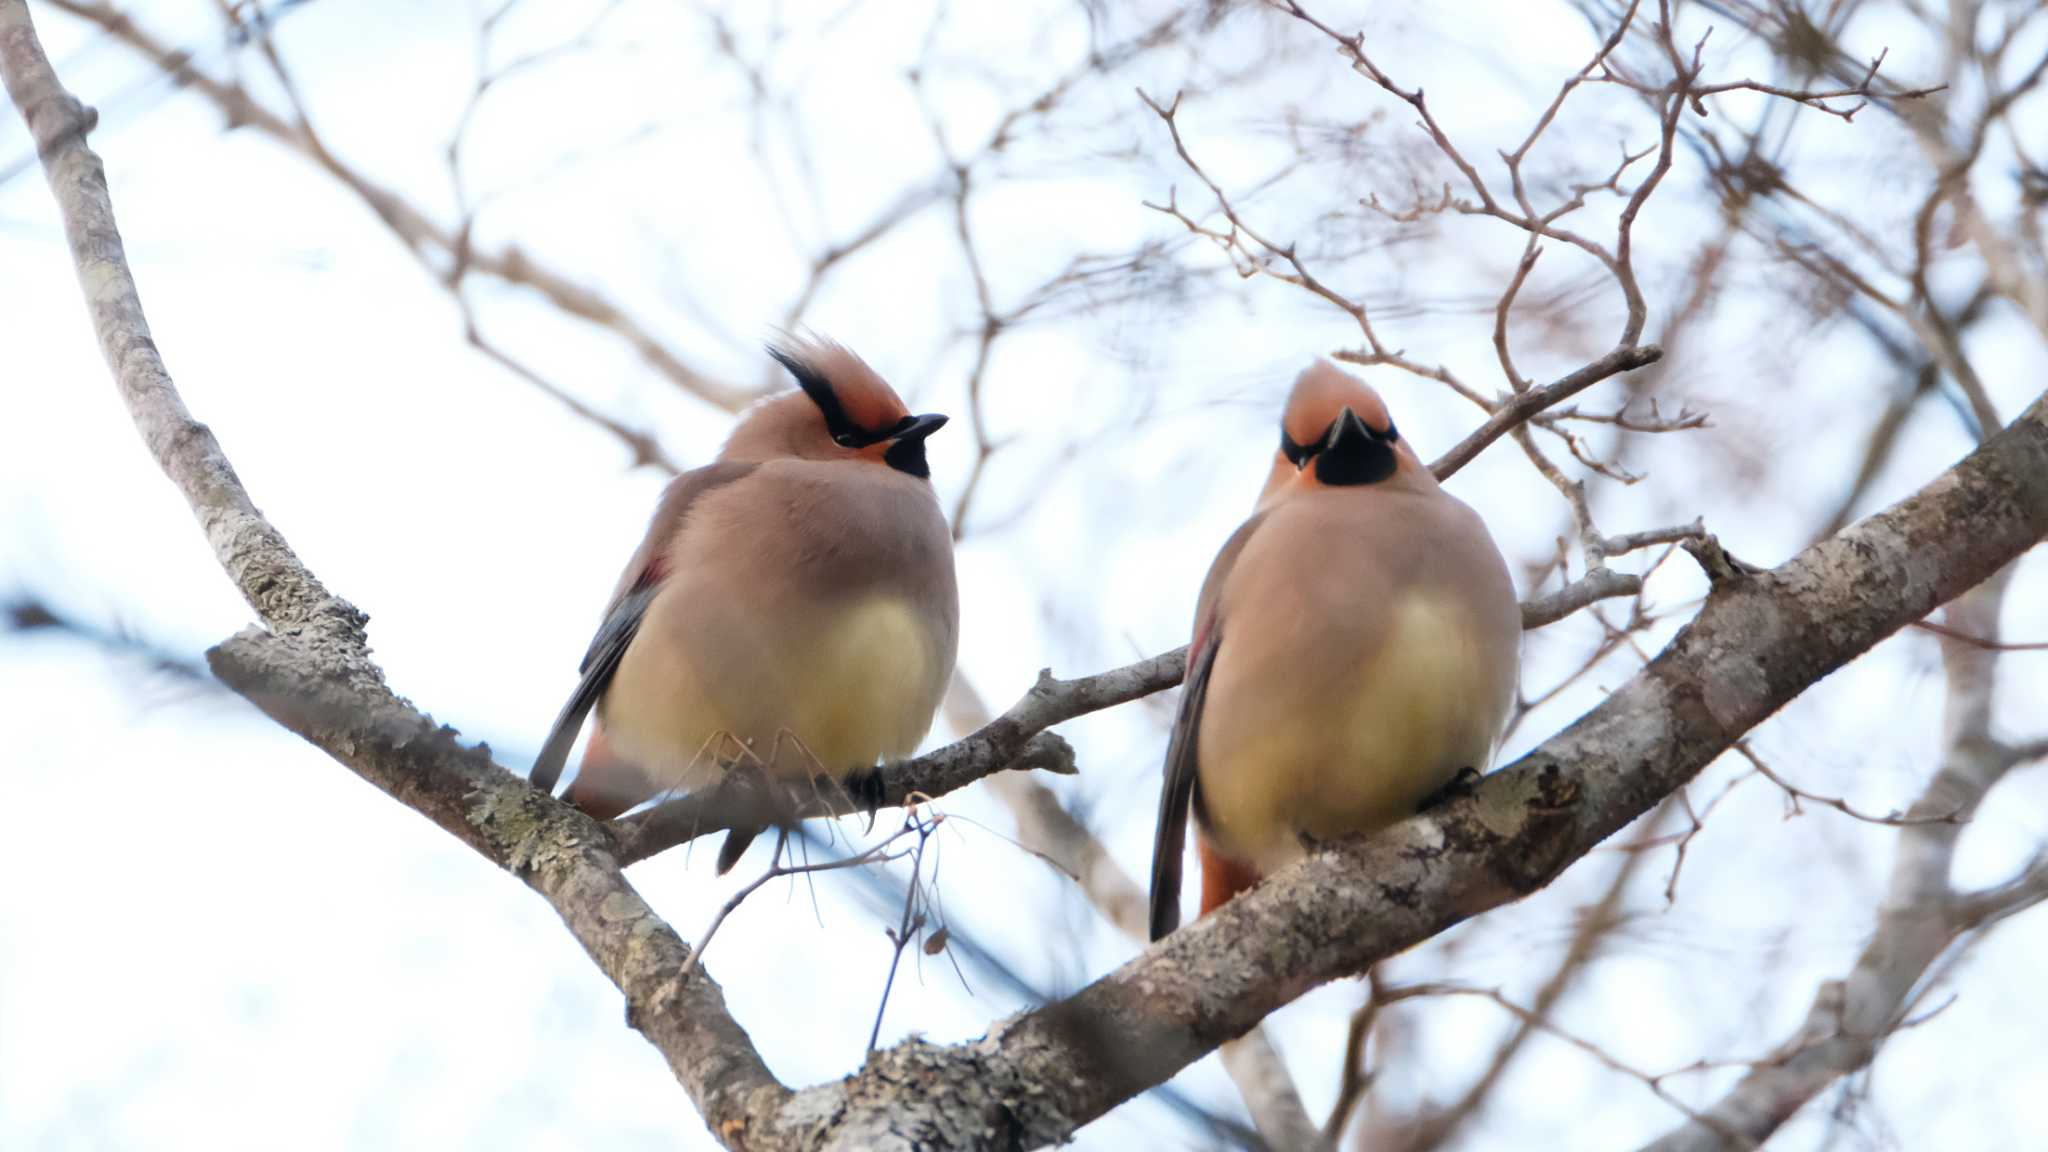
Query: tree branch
<point x="1758" y="642"/>
<point x="1921" y="921"/>
<point x="311" y="670"/>
<point x="425" y="238"/>
<point x="1517" y="409"/>
<point x="1016" y="740"/>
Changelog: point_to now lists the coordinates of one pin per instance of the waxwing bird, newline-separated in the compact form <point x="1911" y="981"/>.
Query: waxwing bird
<point x="1356" y="645"/>
<point x="792" y="605"/>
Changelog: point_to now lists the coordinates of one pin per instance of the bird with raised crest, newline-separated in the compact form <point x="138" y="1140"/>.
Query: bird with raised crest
<point x="1356" y="649"/>
<point x="791" y="607"/>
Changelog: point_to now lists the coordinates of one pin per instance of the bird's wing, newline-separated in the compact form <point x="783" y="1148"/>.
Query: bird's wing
<point x="1177" y="790"/>
<point x="637" y="588"/>
<point x="1169" y="842"/>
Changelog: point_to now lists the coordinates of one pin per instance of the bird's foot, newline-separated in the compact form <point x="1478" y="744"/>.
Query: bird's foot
<point x="865" y="790"/>
<point x="1458" y="786"/>
<point x="746" y="787"/>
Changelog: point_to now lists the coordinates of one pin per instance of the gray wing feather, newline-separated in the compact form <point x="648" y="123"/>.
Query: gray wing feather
<point x="606" y="650"/>
<point x="637" y="589"/>
<point x="1169" y="842"/>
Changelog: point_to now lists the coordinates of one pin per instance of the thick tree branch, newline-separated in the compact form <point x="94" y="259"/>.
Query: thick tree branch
<point x="1759" y="641"/>
<point x="1921" y="921"/>
<point x="311" y="670"/>
<point x="284" y="594"/>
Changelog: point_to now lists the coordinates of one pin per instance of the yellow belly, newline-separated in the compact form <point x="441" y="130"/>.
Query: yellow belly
<point x="830" y="700"/>
<point x="1345" y="754"/>
<point x="866" y="693"/>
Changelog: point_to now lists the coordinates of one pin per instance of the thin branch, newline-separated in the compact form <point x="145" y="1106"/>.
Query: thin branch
<point x="1922" y="918"/>
<point x="1517" y="409"/>
<point x="1538" y="1021"/>
<point x="435" y="245"/>
<point x="880" y="853"/>
<point x="1597" y="585"/>
<point x="914" y="917"/>
<point x="1358" y="1074"/>
<point x="1016" y="739"/>
<point x="1794" y="794"/>
<point x="1961" y="637"/>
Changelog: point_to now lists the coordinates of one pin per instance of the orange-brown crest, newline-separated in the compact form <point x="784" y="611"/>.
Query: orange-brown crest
<point x="1321" y="393"/>
<point x="842" y="410"/>
<point x="842" y="385"/>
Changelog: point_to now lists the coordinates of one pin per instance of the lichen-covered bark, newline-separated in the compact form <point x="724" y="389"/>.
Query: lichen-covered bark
<point x="564" y="855"/>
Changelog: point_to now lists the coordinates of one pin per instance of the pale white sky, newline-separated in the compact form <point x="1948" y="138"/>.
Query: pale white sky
<point x="211" y="936"/>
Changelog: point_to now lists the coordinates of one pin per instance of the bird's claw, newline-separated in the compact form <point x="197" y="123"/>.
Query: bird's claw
<point x="1458" y="786"/>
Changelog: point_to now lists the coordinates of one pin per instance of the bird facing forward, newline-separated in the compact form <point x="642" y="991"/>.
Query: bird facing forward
<point x="1355" y="647"/>
<point x="794" y="598"/>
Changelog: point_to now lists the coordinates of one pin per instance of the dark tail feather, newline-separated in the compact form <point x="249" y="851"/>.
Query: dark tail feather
<point x="735" y="846"/>
<point x="607" y="785"/>
<point x="1177" y="791"/>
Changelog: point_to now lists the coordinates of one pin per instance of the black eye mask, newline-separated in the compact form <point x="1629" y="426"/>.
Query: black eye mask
<point x="906" y="448"/>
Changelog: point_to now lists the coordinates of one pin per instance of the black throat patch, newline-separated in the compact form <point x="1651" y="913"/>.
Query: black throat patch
<point x="907" y="455"/>
<point x="1356" y="456"/>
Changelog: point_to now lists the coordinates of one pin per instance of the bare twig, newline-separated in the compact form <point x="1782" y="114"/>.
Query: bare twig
<point x="436" y="246"/>
<point x="880" y="853"/>
<point x="1536" y="1020"/>
<point x="1988" y="645"/>
<point x="1357" y="1076"/>
<point x="1922" y="918"/>
<point x="914" y="917"/>
<point x="1794" y="794"/>
<point x="1015" y="739"/>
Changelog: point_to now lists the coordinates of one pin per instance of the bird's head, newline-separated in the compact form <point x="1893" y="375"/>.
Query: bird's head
<point x="843" y="410"/>
<point x="1335" y="433"/>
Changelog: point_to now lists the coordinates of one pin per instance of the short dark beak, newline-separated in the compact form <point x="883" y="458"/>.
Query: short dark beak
<point x="1354" y="454"/>
<point x="920" y="427"/>
<point x="1347" y="427"/>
